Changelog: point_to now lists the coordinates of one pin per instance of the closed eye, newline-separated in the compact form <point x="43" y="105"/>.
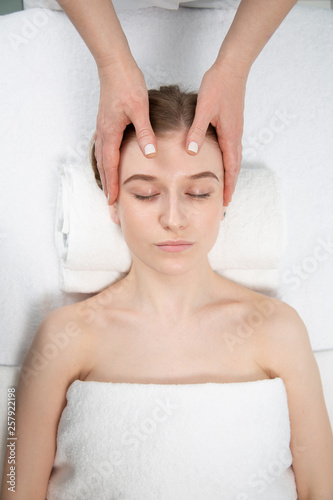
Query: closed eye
<point x="140" y="197"/>
<point x="205" y="195"/>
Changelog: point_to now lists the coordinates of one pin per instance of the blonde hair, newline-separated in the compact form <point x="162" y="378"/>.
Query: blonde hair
<point x="170" y="110"/>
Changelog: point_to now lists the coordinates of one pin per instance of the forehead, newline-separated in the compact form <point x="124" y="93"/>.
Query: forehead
<point x="172" y="160"/>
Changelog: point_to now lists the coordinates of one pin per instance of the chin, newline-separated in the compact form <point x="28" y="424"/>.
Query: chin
<point x="175" y="268"/>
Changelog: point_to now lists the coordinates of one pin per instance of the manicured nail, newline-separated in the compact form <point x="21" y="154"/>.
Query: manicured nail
<point x="149" y="149"/>
<point x="193" y="146"/>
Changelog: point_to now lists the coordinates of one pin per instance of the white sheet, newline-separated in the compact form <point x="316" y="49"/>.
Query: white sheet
<point x="48" y="116"/>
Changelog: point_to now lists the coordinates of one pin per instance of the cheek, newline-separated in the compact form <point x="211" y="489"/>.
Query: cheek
<point x="210" y="222"/>
<point x="212" y="217"/>
<point x="135" y="221"/>
<point x="208" y="212"/>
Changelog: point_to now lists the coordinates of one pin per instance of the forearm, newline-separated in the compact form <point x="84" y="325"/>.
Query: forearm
<point x="253" y="25"/>
<point x="98" y="24"/>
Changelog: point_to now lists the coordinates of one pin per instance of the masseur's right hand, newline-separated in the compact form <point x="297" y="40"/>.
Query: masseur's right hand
<point x="123" y="91"/>
<point x="123" y="100"/>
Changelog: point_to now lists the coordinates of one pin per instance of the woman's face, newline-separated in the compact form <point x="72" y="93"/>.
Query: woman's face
<point x="173" y="196"/>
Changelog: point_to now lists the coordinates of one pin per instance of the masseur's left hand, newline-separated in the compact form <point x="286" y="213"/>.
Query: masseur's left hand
<point x="221" y="103"/>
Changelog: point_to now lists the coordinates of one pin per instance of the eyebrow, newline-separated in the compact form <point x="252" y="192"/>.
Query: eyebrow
<point x="144" y="177"/>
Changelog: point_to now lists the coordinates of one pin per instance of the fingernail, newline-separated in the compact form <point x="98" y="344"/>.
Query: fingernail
<point x="149" y="149"/>
<point x="108" y="196"/>
<point x="193" y="146"/>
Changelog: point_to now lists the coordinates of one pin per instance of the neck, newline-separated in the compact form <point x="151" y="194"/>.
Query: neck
<point x="173" y="297"/>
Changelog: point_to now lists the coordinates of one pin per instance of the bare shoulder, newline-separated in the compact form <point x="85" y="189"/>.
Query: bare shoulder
<point x="281" y="337"/>
<point x="60" y="344"/>
<point x="257" y="316"/>
<point x="273" y="330"/>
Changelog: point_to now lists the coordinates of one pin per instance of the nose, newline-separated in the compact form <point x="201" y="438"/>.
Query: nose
<point x="173" y="213"/>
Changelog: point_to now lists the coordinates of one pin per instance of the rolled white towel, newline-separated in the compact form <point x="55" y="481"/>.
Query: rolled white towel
<point x="92" y="250"/>
<point x="93" y="253"/>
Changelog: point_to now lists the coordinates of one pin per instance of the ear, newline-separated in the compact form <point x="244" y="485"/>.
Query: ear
<point x="114" y="214"/>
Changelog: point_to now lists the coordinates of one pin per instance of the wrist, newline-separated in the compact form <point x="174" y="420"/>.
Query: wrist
<point x="238" y="71"/>
<point x="234" y="63"/>
<point x="107" y="66"/>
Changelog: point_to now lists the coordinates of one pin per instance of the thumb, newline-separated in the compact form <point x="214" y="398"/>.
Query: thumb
<point x="146" y="137"/>
<point x="196" y="135"/>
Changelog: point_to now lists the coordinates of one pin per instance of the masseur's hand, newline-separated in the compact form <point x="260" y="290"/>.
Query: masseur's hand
<point x="123" y="100"/>
<point x="221" y="103"/>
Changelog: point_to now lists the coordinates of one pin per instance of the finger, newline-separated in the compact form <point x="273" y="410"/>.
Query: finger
<point x="232" y="154"/>
<point x="111" y="156"/>
<point x="145" y="134"/>
<point x="196" y="134"/>
<point x="111" y="175"/>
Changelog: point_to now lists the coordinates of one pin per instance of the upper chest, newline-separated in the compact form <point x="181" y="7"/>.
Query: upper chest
<point x="216" y="345"/>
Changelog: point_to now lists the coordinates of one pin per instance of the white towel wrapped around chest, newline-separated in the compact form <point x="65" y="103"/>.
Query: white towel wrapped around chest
<point x="174" y="442"/>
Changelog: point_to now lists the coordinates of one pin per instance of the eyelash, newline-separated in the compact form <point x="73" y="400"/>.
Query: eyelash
<point x="202" y="196"/>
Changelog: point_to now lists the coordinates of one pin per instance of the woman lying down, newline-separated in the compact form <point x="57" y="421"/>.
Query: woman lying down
<point x="156" y="395"/>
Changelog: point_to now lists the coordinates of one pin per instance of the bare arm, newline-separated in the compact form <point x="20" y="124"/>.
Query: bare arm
<point x="99" y="26"/>
<point x="222" y="92"/>
<point x="47" y="371"/>
<point x="289" y="355"/>
<point x="123" y="91"/>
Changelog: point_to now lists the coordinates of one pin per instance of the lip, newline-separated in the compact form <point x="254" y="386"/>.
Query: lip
<point x="174" y="245"/>
<point x="174" y="242"/>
